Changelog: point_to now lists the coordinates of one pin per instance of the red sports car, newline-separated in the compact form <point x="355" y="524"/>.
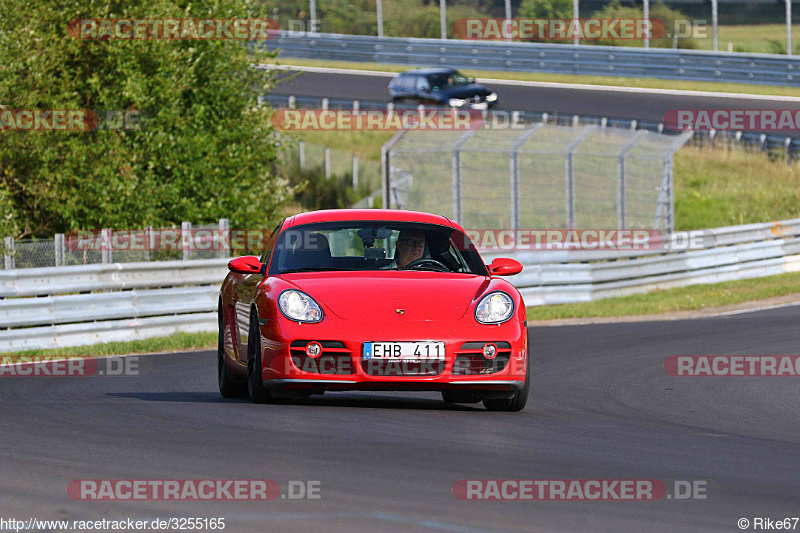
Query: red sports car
<point x="373" y="300"/>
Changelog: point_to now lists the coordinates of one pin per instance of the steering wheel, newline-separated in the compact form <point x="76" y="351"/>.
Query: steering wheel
<point x="430" y="264"/>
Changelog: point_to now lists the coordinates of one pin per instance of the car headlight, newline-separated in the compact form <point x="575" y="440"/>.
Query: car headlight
<point x="494" y="308"/>
<point x="492" y="97"/>
<point x="456" y="102"/>
<point x="299" y="306"/>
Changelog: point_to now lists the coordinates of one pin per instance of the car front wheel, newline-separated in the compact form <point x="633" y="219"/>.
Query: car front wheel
<point x="520" y="398"/>
<point x="255" y="385"/>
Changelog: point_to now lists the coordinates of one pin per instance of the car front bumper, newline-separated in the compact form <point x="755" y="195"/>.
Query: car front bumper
<point x="341" y="365"/>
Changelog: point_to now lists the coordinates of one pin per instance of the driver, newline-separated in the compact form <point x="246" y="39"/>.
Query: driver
<point x="409" y="247"/>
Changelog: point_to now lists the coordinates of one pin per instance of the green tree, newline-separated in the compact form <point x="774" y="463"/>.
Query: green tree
<point x="657" y="11"/>
<point x="205" y="152"/>
<point x="551" y="9"/>
<point x="8" y="216"/>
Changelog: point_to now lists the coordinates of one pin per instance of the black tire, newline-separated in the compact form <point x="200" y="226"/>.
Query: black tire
<point x="520" y="398"/>
<point x="255" y="386"/>
<point x="229" y="386"/>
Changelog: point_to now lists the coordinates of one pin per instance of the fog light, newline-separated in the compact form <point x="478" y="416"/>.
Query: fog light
<point x="313" y="349"/>
<point x="489" y="351"/>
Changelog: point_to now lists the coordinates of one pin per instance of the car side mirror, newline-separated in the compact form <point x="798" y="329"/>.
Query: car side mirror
<point x="248" y="264"/>
<point x="503" y="266"/>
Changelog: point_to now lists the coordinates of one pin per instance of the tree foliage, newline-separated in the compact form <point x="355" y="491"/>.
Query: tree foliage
<point x="401" y="18"/>
<point x="550" y="9"/>
<point x="658" y="10"/>
<point x="204" y="153"/>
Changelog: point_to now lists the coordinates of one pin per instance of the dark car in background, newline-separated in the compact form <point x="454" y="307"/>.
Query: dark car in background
<point x="440" y="86"/>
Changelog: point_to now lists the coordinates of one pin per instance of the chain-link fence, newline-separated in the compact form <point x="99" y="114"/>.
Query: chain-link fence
<point x="536" y="176"/>
<point x="364" y="173"/>
<point x="128" y="246"/>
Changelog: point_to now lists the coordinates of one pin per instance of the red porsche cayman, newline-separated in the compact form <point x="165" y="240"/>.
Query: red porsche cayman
<point x="373" y="300"/>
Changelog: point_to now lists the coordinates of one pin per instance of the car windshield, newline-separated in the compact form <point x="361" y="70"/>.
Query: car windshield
<point x="447" y="80"/>
<point x="373" y="245"/>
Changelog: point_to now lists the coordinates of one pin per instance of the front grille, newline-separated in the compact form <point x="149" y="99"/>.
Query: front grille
<point x="470" y="360"/>
<point x="334" y="359"/>
<point x="376" y="367"/>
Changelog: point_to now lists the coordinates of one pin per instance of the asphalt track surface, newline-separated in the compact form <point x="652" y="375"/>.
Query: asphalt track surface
<point x="645" y="106"/>
<point x="602" y="407"/>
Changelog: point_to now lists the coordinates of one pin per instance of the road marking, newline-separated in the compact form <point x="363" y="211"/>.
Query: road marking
<point x="554" y="85"/>
<point x="754" y="309"/>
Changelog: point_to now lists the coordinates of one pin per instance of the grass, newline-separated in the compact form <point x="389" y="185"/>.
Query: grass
<point x="749" y="38"/>
<point x="364" y="144"/>
<point x="688" y="298"/>
<point x="616" y="81"/>
<point x="172" y="343"/>
<point x="714" y="186"/>
<point x="728" y="186"/>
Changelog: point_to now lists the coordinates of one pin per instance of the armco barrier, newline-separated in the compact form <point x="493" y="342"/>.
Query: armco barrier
<point x="735" y="252"/>
<point x="56" y="307"/>
<point x="695" y="65"/>
<point x="772" y="142"/>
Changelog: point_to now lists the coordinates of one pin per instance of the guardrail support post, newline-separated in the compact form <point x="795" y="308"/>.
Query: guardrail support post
<point x="327" y="162"/>
<point x="458" y="214"/>
<point x="715" y="24"/>
<point x="570" y="173"/>
<point x="151" y="242"/>
<point x="8" y="253"/>
<point x="386" y="168"/>
<point x="302" y="146"/>
<point x="514" y="164"/>
<point x="186" y="237"/>
<point x="789" y="27"/>
<point x="443" y="19"/>
<point x="58" y="243"/>
<point x="621" y="194"/>
<point x="107" y="253"/>
<point x="223" y="240"/>
<point x="292" y="102"/>
<point x="379" y="9"/>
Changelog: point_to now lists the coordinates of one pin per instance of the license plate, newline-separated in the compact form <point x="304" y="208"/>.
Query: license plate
<point x="404" y="350"/>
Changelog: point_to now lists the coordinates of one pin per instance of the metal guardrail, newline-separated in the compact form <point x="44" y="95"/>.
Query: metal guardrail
<point x="771" y="143"/>
<point x="694" y="65"/>
<point x="39" y="307"/>
<point x="730" y="253"/>
<point x="113" y="276"/>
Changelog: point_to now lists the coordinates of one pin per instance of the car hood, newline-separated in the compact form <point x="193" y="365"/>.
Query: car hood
<point x="377" y="295"/>
<point x="464" y="91"/>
